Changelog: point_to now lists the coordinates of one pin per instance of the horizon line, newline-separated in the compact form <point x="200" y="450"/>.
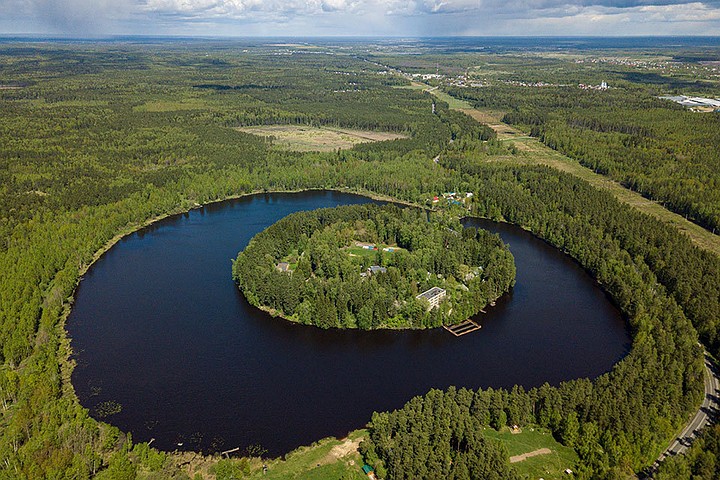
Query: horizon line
<point x="51" y="36"/>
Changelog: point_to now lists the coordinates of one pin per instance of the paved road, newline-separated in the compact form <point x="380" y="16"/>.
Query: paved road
<point x="709" y="409"/>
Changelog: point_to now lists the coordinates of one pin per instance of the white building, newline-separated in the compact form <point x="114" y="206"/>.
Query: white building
<point x="435" y="295"/>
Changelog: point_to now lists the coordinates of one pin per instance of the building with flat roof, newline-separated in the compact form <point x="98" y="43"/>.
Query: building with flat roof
<point x="434" y="295"/>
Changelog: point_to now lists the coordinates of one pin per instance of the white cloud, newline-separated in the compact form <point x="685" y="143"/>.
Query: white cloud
<point x="364" y="17"/>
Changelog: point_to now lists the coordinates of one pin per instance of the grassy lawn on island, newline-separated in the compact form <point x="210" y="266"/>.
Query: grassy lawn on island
<point x="531" y="439"/>
<point x="371" y="254"/>
<point x="366" y="255"/>
<point x="328" y="459"/>
<point x="304" y="138"/>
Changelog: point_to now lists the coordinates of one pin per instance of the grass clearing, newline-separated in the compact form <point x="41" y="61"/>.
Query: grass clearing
<point x="303" y="138"/>
<point x="328" y="459"/>
<point x="454" y="103"/>
<point x="545" y="465"/>
<point x="413" y="86"/>
<point x="332" y="459"/>
<point x="371" y="254"/>
<point x="365" y="254"/>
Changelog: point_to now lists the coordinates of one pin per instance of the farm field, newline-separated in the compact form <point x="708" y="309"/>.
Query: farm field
<point x="303" y="138"/>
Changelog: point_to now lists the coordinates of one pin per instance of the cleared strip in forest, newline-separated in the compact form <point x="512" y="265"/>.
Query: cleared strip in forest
<point x="533" y="152"/>
<point x="534" y="453"/>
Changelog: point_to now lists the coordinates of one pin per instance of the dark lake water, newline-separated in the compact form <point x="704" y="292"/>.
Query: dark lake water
<point x="159" y="327"/>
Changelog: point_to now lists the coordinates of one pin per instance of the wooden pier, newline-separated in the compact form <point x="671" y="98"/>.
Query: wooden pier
<point x="228" y="452"/>
<point x="462" y="328"/>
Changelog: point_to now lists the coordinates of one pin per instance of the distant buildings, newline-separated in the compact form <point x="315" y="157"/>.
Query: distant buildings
<point x="694" y="103"/>
<point x="603" y="86"/>
<point x="435" y="295"/>
<point x="454" y="198"/>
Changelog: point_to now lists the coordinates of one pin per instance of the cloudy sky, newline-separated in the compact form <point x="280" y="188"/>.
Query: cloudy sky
<point x="360" y="17"/>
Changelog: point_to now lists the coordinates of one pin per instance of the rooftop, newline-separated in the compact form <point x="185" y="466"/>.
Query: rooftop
<point x="432" y="293"/>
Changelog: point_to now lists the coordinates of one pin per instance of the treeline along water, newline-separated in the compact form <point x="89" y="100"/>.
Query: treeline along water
<point x="160" y="329"/>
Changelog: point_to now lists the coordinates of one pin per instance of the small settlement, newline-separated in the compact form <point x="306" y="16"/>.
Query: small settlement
<point x="454" y="198"/>
<point x="366" y="246"/>
<point x="434" y="295"/>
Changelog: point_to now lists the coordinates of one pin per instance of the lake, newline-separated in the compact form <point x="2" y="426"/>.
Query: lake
<point x="160" y="331"/>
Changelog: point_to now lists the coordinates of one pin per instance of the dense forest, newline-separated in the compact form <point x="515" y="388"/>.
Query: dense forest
<point x="364" y="267"/>
<point x="100" y="139"/>
<point x="446" y="439"/>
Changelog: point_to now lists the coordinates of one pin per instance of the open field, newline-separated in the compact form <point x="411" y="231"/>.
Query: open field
<point x="331" y="459"/>
<point x="303" y="138"/>
<point x="370" y="255"/>
<point x="328" y="459"/>
<point x="453" y="102"/>
<point x="534" y="444"/>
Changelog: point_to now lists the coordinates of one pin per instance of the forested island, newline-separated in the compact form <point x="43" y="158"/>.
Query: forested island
<point x="369" y="267"/>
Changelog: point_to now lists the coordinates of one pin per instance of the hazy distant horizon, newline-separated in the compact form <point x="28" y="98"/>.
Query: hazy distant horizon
<point x="385" y="18"/>
<point x="348" y="37"/>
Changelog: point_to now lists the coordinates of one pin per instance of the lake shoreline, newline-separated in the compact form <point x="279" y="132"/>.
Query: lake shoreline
<point x="173" y="278"/>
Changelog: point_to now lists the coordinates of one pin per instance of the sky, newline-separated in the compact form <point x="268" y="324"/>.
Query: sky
<point x="417" y="18"/>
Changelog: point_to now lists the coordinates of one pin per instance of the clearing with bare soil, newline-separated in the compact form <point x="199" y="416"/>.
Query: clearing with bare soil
<point x="304" y="138"/>
<point x="534" y="453"/>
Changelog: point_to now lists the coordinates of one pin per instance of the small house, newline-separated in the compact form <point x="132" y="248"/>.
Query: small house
<point x="283" y="266"/>
<point x="368" y="470"/>
<point x="375" y="269"/>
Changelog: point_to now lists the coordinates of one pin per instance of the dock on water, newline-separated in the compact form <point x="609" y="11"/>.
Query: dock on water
<point x="462" y="328"/>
